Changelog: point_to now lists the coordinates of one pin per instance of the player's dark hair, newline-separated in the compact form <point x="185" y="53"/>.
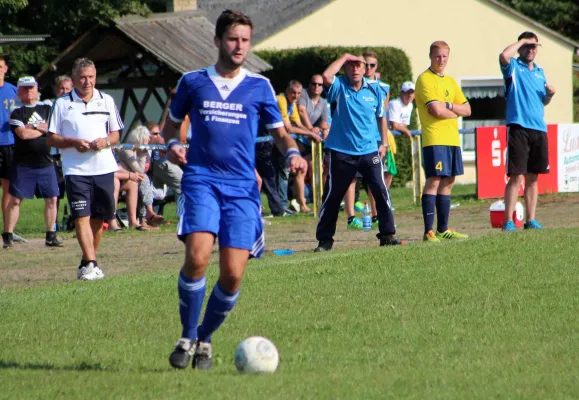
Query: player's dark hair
<point x="229" y="18"/>
<point x="370" y="53"/>
<point x="528" y="35"/>
<point x="2" y="57"/>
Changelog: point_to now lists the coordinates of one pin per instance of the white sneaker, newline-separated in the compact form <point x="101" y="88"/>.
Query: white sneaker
<point x="90" y="272"/>
<point x="295" y="205"/>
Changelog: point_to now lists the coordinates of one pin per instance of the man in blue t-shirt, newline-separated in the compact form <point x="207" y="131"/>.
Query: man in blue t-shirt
<point x="527" y="94"/>
<point x="219" y="188"/>
<point x="7" y="103"/>
<point x="353" y="147"/>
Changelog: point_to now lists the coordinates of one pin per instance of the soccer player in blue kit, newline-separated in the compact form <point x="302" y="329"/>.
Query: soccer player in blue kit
<point x="220" y="197"/>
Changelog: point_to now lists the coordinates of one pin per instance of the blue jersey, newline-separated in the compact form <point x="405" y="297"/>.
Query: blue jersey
<point x="354" y="121"/>
<point x="224" y="122"/>
<point x="525" y="90"/>
<point x="7" y="104"/>
<point x="385" y="88"/>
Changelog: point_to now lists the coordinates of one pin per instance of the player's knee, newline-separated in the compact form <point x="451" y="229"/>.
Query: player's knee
<point x="230" y="280"/>
<point x="14" y="201"/>
<point x="196" y="261"/>
<point x="531" y="179"/>
<point x="516" y="180"/>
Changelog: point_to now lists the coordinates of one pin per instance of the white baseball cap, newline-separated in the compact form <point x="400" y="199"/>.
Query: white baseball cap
<point x="406" y="86"/>
<point x="27" y="81"/>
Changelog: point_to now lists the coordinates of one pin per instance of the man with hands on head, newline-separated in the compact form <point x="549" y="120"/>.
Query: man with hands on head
<point x="353" y="148"/>
<point x="527" y="95"/>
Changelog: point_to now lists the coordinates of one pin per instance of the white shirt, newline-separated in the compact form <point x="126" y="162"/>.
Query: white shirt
<point x="399" y="113"/>
<point x="73" y="118"/>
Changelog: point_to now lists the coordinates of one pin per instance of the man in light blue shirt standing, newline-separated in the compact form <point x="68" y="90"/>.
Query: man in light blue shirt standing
<point x="527" y="94"/>
<point x="353" y="147"/>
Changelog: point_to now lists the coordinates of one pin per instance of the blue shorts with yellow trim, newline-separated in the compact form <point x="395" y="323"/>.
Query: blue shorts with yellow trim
<point x="231" y="212"/>
<point x="442" y="161"/>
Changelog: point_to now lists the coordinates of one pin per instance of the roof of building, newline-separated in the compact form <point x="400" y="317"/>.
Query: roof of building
<point x="21" y="39"/>
<point x="268" y="17"/>
<point x="182" y="40"/>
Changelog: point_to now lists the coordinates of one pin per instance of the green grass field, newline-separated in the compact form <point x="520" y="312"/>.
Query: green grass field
<point x="495" y="316"/>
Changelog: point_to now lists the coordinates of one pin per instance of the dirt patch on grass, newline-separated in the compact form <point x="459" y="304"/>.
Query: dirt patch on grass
<point x="33" y="264"/>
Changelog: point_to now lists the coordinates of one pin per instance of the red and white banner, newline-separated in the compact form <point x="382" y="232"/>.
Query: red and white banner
<point x="491" y="151"/>
<point x="568" y="158"/>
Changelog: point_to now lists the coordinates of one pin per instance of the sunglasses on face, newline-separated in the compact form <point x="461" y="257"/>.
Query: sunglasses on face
<point x="371" y="65"/>
<point x="316" y="84"/>
<point x="155" y="133"/>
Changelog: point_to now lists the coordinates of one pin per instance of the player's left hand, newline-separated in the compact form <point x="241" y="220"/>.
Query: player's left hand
<point x="297" y="164"/>
<point x="550" y="90"/>
<point x="382" y="151"/>
<point x="98" y="144"/>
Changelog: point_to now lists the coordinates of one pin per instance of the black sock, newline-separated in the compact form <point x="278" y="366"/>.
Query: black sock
<point x="350" y="219"/>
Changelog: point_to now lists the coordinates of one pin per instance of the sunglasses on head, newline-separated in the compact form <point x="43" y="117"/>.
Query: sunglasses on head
<point x="316" y="84"/>
<point x="371" y="65"/>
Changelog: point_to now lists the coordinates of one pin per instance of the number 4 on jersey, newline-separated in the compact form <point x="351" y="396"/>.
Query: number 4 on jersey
<point x="438" y="166"/>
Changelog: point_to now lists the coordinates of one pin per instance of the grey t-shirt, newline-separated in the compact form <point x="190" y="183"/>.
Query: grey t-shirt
<point x="316" y="113"/>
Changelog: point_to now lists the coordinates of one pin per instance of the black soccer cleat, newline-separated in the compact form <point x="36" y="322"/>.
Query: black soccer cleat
<point x="202" y="357"/>
<point x="52" y="240"/>
<point x="389" y="240"/>
<point x="7" y="240"/>
<point x="324" y="245"/>
<point x="181" y="356"/>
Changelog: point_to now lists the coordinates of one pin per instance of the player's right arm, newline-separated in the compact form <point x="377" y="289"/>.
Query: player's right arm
<point x="329" y="74"/>
<point x="511" y="50"/>
<point x="180" y="106"/>
<point x="53" y="134"/>
<point x="22" y="130"/>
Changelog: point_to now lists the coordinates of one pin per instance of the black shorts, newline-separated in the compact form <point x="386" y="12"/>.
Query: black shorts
<point x="91" y="196"/>
<point x="527" y="151"/>
<point x="6" y="159"/>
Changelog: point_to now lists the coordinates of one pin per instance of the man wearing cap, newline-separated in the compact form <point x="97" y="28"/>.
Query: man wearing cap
<point x="32" y="172"/>
<point x="399" y="113"/>
<point x="84" y="124"/>
<point x="527" y="150"/>
<point x="7" y="102"/>
<point x="353" y="147"/>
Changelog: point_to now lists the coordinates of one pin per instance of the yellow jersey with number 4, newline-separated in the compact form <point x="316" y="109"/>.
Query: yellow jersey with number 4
<point x="432" y="87"/>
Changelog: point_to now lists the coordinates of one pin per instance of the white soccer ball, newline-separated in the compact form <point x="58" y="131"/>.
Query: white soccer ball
<point x="256" y="355"/>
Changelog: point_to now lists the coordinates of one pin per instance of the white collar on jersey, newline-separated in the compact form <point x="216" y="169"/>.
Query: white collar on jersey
<point x="225" y="85"/>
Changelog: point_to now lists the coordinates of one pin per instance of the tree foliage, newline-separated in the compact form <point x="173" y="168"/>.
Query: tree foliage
<point x="560" y="15"/>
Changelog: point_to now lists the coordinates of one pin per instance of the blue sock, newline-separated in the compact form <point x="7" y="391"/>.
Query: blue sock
<point x="442" y="211"/>
<point x="219" y="305"/>
<point x="428" y="207"/>
<point x="191" y="295"/>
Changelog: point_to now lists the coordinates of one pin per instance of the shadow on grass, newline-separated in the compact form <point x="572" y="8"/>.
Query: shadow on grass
<point x="49" y="367"/>
<point x="83" y="366"/>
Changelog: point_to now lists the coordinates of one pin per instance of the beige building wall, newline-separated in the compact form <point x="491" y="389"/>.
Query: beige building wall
<point x="476" y="31"/>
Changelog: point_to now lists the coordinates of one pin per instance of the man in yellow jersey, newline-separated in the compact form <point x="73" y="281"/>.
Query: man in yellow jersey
<point x="440" y="102"/>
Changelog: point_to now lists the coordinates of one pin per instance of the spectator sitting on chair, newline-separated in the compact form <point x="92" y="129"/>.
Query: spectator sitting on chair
<point x="32" y="171"/>
<point x="127" y="182"/>
<point x="135" y="160"/>
<point x="291" y="118"/>
<point x="162" y="171"/>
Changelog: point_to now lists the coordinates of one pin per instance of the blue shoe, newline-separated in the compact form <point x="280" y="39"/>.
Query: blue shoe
<point x="356" y="224"/>
<point x="509" y="226"/>
<point x="358" y="206"/>
<point x="533" y="224"/>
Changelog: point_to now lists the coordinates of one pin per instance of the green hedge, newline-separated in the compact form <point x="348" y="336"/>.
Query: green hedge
<point x="301" y="64"/>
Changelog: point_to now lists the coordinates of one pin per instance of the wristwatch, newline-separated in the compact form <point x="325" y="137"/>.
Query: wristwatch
<point x="108" y="143"/>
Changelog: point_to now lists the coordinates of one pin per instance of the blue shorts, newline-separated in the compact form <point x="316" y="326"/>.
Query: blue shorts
<point x="232" y="213"/>
<point x="442" y="161"/>
<point x="26" y="182"/>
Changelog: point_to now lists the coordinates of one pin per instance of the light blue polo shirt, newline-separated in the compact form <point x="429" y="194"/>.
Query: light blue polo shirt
<point x="525" y="90"/>
<point x="385" y="88"/>
<point x="354" y="125"/>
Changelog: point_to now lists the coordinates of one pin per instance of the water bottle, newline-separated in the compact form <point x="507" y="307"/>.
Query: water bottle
<point x="366" y="218"/>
